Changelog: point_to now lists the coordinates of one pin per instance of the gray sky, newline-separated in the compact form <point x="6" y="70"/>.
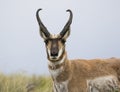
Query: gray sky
<point x="95" y="31"/>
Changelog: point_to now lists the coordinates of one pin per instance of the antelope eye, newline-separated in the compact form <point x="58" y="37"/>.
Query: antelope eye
<point x="46" y="42"/>
<point x="63" y="41"/>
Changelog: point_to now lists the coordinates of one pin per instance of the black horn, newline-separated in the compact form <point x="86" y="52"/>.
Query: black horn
<point x="67" y="26"/>
<point x="41" y="25"/>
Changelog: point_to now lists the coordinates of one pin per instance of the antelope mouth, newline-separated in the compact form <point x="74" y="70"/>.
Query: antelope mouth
<point x="54" y="59"/>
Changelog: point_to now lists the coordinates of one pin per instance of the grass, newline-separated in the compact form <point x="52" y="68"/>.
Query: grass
<point x="25" y="83"/>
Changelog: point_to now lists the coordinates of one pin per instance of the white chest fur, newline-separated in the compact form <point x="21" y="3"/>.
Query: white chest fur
<point x="103" y="84"/>
<point x="56" y="72"/>
<point x="61" y="87"/>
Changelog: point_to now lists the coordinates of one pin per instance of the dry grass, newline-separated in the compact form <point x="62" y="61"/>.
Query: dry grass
<point x="25" y="83"/>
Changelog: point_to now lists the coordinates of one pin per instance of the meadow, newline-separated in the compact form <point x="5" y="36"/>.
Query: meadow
<point x="24" y="83"/>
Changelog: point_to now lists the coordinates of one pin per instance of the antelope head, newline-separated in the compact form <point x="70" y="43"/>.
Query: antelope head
<point x="55" y="44"/>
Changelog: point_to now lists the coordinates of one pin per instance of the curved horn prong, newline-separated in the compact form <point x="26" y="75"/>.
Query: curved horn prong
<point x="67" y="26"/>
<point x="41" y="25"/>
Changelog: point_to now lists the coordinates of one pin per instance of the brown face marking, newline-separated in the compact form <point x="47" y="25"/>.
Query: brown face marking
<point x="55" y="48"/>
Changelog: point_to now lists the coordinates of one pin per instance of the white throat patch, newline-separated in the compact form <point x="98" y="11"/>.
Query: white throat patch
<point x="56" y="72"/>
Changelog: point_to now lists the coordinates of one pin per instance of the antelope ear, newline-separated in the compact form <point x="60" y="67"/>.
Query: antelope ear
<point x="66" y="35"/>
<point x="43" y="34"/>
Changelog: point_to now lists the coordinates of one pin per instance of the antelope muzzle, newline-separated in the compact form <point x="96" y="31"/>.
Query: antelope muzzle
<point x="54" y="49"/>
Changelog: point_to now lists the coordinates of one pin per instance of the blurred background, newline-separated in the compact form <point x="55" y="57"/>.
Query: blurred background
<point x="95" y="31"/>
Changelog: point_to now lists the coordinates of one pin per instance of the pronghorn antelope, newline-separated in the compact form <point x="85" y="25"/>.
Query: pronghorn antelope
<point x="79" y="75"/>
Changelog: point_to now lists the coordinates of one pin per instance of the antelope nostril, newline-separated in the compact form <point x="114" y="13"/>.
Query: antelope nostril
<point x="54" y="52"/>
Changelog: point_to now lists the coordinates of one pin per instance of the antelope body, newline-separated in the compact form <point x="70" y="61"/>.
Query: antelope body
<point x="96" y="75"/>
